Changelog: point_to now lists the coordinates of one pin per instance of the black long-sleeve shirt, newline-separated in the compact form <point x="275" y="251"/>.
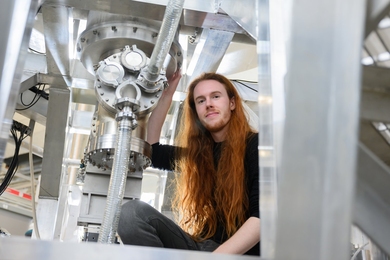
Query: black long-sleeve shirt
<point x="163" y="157"/>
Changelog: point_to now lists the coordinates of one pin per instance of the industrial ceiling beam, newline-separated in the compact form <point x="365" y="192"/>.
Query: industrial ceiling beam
<point x="376" y="10"/>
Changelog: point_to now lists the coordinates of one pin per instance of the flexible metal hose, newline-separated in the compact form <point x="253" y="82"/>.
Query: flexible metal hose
<point x="166" y="35"/>
<point x="117" y="182"/>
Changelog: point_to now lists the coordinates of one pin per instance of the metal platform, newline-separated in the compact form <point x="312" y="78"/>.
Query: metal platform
<point x="25" y="248"/>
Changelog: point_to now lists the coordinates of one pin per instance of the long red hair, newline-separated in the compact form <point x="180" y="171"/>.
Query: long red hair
<point x="206" y="195"/>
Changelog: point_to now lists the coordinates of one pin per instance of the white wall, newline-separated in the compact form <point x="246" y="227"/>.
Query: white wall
<point x="14" y="223"/>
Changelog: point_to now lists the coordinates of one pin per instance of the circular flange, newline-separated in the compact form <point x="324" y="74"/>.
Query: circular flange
<point x="102" y="158"/>
<point x="133" y="58"/>
<point x="102" y="40"/>
<point x="110" y="73"/>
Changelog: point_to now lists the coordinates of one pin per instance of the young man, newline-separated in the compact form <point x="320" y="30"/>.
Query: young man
<point x="217" y="188"/>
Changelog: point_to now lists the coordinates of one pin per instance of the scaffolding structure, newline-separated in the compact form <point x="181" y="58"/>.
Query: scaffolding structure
<point x="319" y="176"/>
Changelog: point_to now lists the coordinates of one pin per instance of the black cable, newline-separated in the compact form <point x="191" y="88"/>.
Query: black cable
<point x="24" y="131"/>
<point x="32" y="101"/>
<point x="36" y="52"/>
<point x="245" y="85"/>
<point x="39" y="92"/>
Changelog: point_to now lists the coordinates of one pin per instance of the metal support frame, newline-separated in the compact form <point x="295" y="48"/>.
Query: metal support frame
<point x="22" y="248"/>
<point x="17" y="19"/>
<point x="244" y="16"/>
<point x="209" y="55"/>
<point x="56" y="26"/>
<point x="321" y="130"/>
<point x="271" y="68"/>
<point x="56" y="125"/>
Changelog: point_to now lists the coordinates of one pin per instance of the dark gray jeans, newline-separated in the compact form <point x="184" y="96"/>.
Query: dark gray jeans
<point x="141" y="224"/>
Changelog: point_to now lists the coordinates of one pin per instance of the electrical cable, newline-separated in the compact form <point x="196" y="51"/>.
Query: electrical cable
<point x="34" y="100"/>
<point x="13" y="166"/>
<point x="31" y="162"/>
<point x="37" y="52"/>
<point x="245" y="85"/>
<point x="359" y="250"/>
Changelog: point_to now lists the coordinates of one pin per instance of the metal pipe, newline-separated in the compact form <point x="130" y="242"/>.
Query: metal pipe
<point x="118" y="179"/>
<point x="166" y="35"/>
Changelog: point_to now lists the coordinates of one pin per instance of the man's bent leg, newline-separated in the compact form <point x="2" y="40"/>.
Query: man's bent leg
<point x="141" y="224"/>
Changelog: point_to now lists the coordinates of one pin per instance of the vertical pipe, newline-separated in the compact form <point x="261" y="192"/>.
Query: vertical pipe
<point x="117" y="182"/>
<point x="166" y="35"/>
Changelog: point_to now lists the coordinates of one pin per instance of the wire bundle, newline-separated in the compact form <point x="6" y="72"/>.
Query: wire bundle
<point x="19" y="133"/>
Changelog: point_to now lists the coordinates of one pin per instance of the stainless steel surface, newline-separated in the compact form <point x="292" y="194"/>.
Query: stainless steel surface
<point x="316" y="181"/>
<point x="47" y="210"/>
<point x="209" y="53"/>
<point x="16" y="24"/>
<point x="203" y="13"/>
<point x="56" y="28"/>
<point x="243" y="12"/>
<point x="271" y="71"/>
<point x="372" y="198"/>
<point x="56" y="123"/>
<point x="24" y="248"/>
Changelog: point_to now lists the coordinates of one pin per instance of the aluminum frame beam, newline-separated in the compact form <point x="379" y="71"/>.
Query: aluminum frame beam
<point x="271" y="38"/>
<point x="317" y="177"/>
<point x="56" y="125"/>
<point x="23" y="248"/>
<point x="208" y="57"/>
<point x="17" y="19"/>
<point x="202" y="13"/>
<point x="244" y="16"/>
<point x="56" y="28"/>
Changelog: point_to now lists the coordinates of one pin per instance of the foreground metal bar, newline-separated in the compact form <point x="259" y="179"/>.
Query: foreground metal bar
<point x="271" y="69"/>
<point x="23" y="248"/>
<point x="17" y="20"/>
<point x="372" y="201"/>
<point x="317" y="176"/>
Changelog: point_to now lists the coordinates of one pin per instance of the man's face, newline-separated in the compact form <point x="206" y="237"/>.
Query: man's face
<point x="213" y="107"/>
